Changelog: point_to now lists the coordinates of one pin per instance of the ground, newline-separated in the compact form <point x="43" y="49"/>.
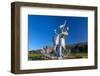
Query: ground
<point x="39" y="56"/>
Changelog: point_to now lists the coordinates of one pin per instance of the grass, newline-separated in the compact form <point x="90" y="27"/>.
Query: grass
<point x="39" y="56"/>
<point x="35" y="56"/>
<point x="80" y="55"/>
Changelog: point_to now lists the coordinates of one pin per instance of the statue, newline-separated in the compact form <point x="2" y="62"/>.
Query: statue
<point x="59" y="45"/>
<point x="59" y="40"/>
<point x="56" y="42"/>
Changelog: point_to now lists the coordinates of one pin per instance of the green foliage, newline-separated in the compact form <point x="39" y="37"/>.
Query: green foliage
<point x="79" y="47"/>
<point x="34" y="55"/>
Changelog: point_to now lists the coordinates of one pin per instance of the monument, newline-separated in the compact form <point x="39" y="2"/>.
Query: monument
<point x="59" y="40"/>
<point x="58" y="43"/>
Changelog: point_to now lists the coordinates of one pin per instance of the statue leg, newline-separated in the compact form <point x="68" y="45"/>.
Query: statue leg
<point x="54" y="47"/>
<point x="60" y="53"/>
<point x="55" y="50"/>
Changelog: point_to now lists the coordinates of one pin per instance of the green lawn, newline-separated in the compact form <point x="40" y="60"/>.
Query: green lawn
<point x="35" y="56"/>
<point x="39" y="56"/>
<point x="80" y="55"/>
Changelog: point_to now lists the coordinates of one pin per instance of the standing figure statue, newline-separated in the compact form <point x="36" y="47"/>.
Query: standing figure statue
<point x="56" y="42"/>
<point x="59" y="40"/>
<point x="63" y="34"/>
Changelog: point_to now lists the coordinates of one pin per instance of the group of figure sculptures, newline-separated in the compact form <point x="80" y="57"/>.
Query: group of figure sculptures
<point x="59" y="46"/>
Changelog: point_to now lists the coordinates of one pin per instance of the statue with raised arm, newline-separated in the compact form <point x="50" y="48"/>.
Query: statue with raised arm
<point x="59" y="40"/>
<point x="63" y="34"/>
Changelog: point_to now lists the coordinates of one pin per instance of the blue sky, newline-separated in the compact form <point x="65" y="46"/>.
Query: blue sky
<point x="41" y="30"/>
